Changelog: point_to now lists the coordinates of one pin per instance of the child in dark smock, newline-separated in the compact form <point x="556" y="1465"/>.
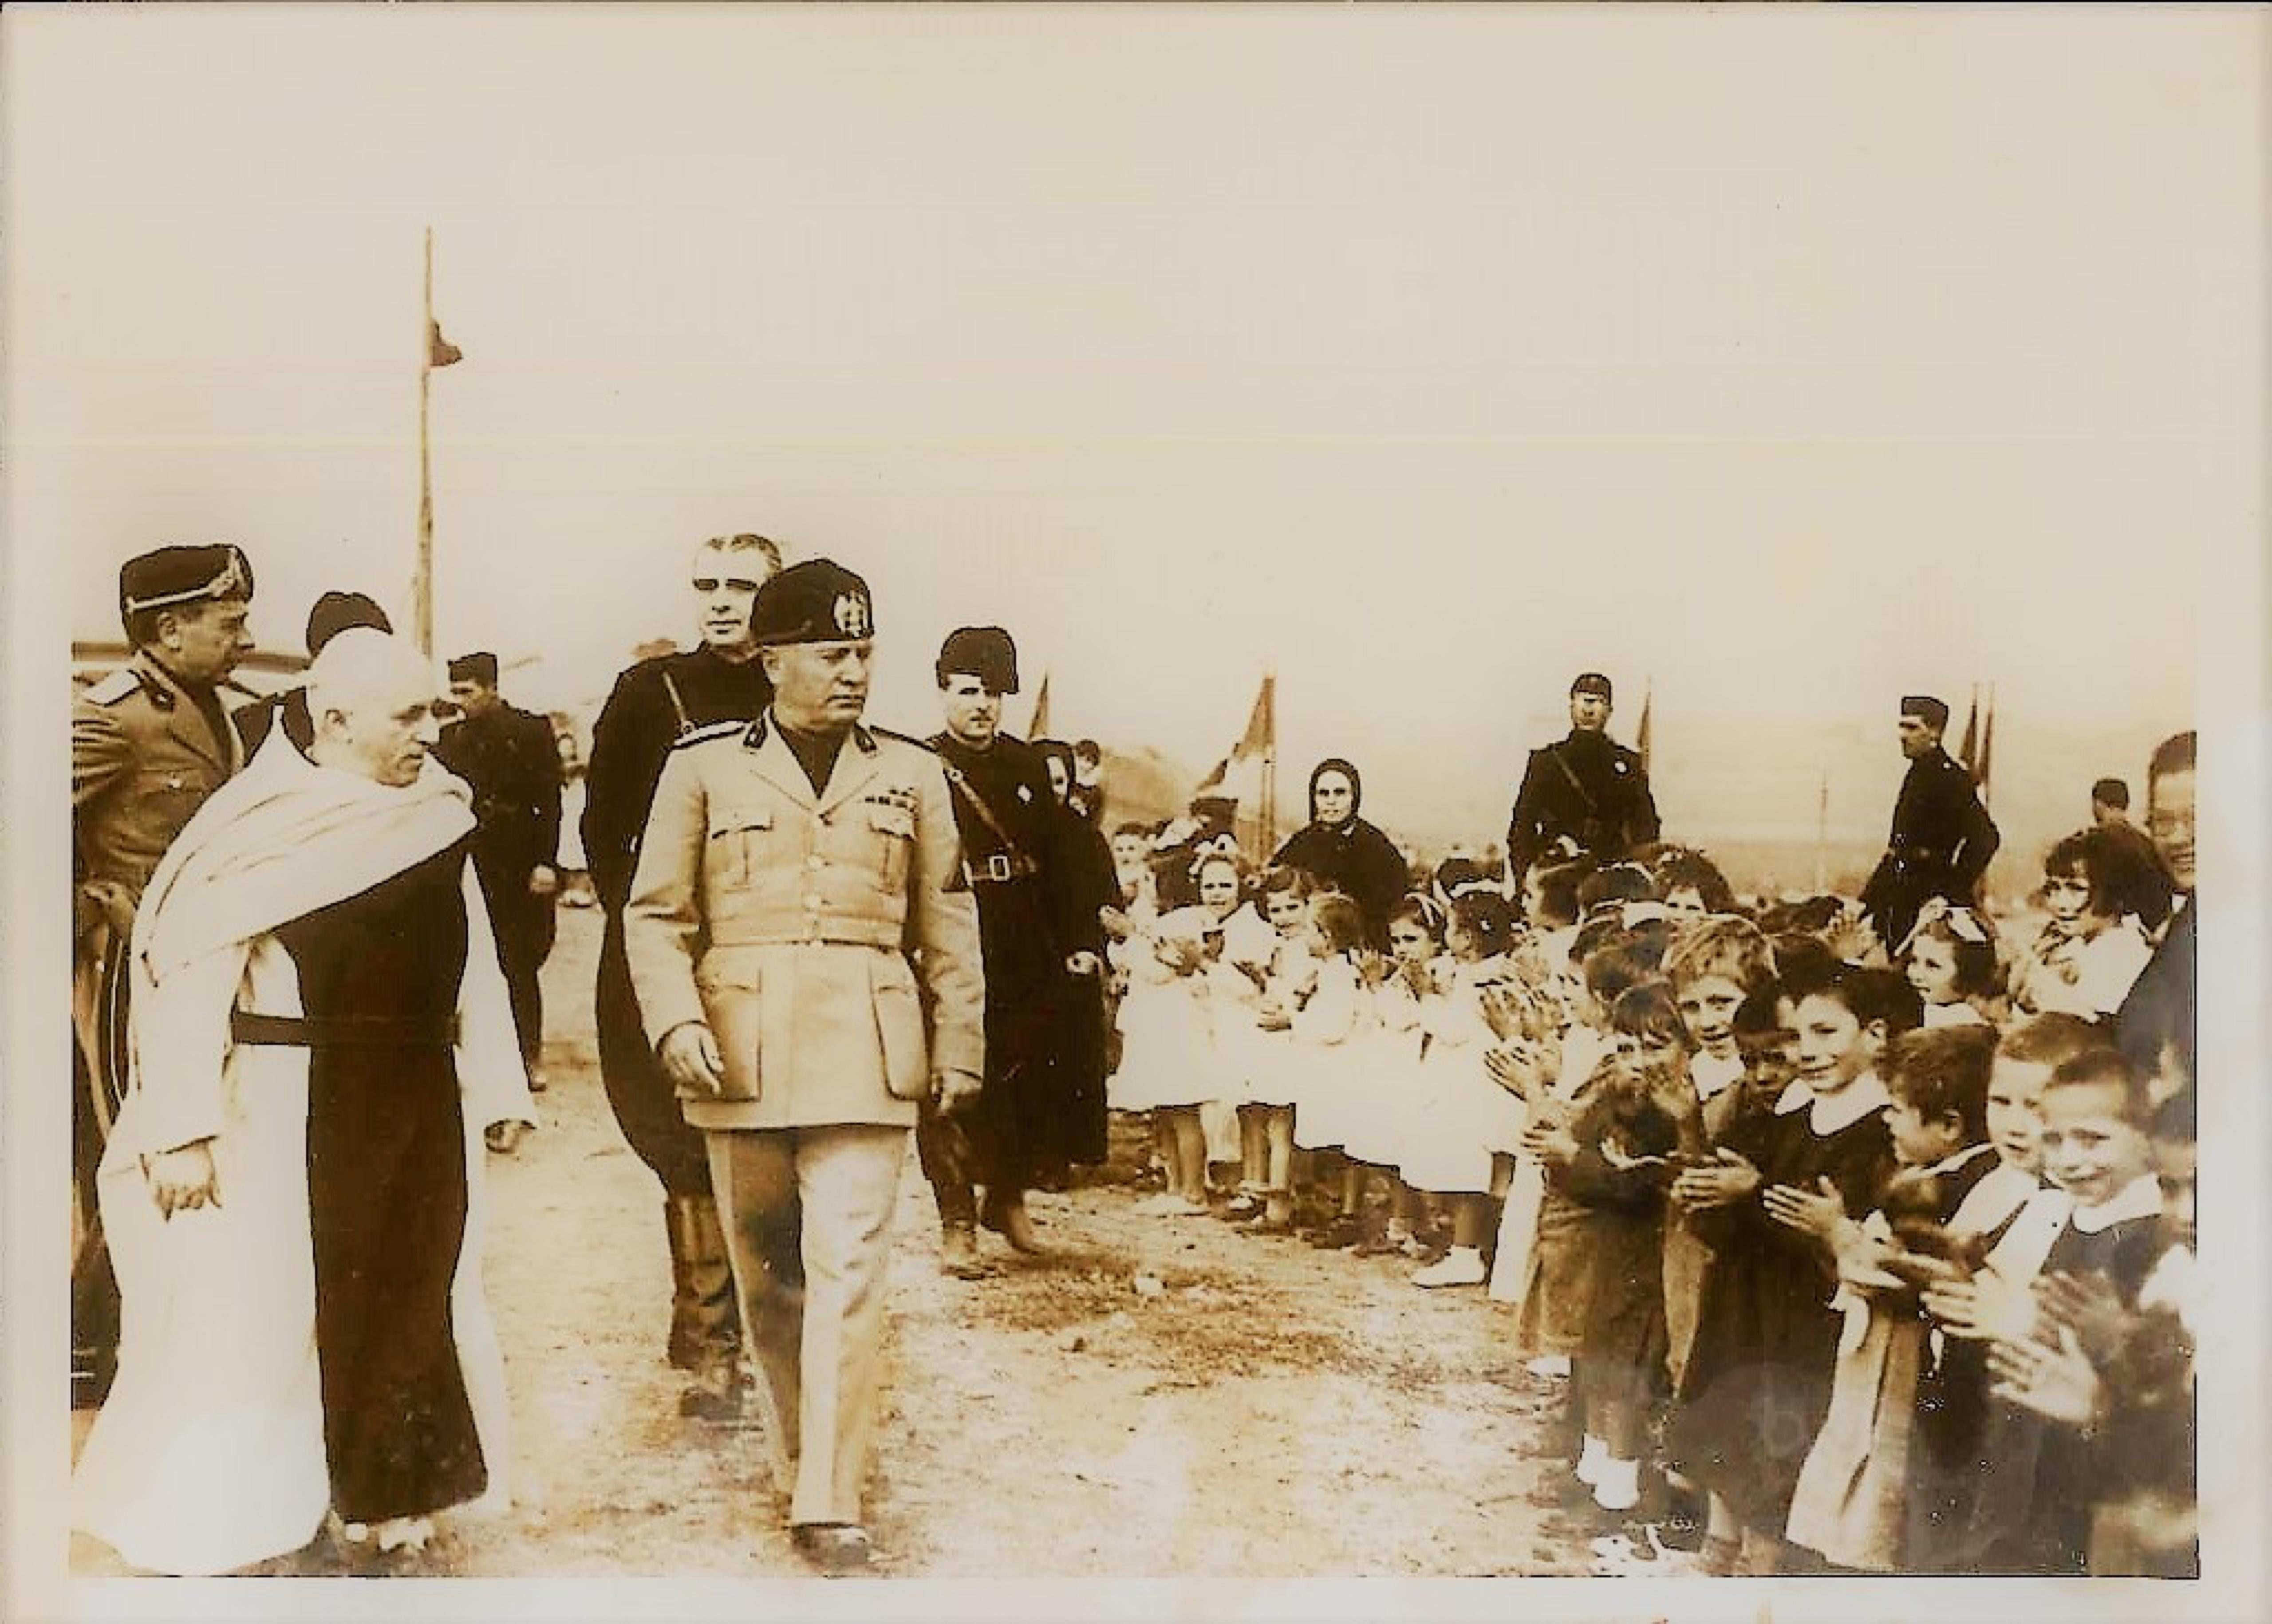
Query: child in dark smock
<point x="1953" y="1189"/>
<point x="1945" y="1490"/>
<point x="1615" y="1161"/>
<point x="1758" y="1382"/>
<point x="2095" y="1237"/>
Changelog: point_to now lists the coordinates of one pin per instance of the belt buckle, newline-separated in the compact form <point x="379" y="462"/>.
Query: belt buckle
<point x="998" y="865"/>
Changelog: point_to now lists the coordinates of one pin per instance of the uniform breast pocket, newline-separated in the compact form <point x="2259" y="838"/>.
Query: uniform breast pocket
<point x="740" y="837"/>
<point x="165" y="799"/>
<point x="894" y="829"/>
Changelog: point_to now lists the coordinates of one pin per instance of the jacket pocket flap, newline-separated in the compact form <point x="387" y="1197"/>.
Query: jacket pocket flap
<point x="741" y="819"/>
<point x="891" y="820"/>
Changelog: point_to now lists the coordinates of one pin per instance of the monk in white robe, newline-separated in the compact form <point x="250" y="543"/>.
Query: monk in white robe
<point x="293" y="1185"/>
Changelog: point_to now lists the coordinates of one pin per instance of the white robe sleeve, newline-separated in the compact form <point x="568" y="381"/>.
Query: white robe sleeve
<point x="181" y="1045"/>
<point x="490" y="1075"/>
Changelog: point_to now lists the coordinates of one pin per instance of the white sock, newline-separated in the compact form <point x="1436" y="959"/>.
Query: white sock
<point x="1591" y="1459"/>
<point x="1618" y="1487"/>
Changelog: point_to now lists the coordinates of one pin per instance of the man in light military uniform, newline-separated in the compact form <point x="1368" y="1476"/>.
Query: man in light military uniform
<point x="789" y="923"/>
<point x="149" y="743"/>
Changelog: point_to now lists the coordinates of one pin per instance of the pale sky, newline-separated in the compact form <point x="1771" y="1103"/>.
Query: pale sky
<point x="1787" y="362"/>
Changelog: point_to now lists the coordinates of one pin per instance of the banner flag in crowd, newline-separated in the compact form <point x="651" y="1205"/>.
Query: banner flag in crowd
<point x="1039" y="727"/>
<point x="1640" y="734"/>
<point x="1966" y="751"/>
<point x="1255" y="751"/>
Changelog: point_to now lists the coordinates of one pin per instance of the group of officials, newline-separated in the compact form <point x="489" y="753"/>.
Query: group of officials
<point x="306" y="997"/>
<point x="307" y="939"/>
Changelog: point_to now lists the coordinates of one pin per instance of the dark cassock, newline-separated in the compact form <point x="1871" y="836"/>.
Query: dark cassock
<point x="319" y="1001"/>
<point x="1941" y="840"/>
<point x="1073" y="1133"/>
<point x="2157" y="1026"/>
<point x="653" y="706"/>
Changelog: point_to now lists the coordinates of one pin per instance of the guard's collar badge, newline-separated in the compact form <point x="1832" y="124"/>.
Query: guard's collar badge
<point x="852" y="617"/>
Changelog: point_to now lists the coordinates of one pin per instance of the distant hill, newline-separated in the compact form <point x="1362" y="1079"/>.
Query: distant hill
<point x="1143" y="786"/>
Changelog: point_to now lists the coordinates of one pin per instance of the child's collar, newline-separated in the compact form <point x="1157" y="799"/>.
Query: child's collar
<point x="1959" y="1157"/>
<point x="1832" y="1113"/>
<point x="2140" y="1198"/>
<point x="1714" y="1075"/>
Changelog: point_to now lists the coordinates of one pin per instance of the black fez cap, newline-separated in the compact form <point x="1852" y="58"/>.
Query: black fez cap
<point x="818" y="600"/>
<point x="171" y="577"/>
<point x="1591" y="681"/>
<point x="983" y="652"/>
<point x="1927" y="709"/>
<point x="336" y="612"/>
<point x="480" y="667"/>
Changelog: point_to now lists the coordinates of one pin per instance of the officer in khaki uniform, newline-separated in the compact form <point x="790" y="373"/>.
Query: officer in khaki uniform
<point x="791" y="935"/>
<point x="149" y="743"/>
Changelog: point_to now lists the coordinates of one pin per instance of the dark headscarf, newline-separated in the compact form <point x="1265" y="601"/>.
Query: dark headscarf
<point x="1335" y="764"/>
<point x="1353" y="857"/>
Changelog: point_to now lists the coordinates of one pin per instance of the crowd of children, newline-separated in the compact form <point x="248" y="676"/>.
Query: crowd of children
<point x="1849" y="1256"/>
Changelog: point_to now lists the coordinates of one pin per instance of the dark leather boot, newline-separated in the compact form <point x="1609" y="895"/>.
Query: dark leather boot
<point x="706" y="1322"/>
<point x="677" y="1226"/>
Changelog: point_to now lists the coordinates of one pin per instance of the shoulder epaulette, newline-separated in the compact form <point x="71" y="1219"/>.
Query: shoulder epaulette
<point x="113" y="687"/>
<point x="703" y="736"/>
<point x="923" y="745"/>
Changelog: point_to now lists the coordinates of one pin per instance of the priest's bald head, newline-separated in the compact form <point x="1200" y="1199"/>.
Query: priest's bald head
<point x="373" y="699"/>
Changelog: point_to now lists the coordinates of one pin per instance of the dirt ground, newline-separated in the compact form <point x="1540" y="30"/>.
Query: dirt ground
<point x="1271" y="1411"/>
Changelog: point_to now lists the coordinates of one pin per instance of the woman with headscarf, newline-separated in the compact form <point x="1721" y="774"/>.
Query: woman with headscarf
<point x="1342" y="850"/>
<point x="1085" y="886"/>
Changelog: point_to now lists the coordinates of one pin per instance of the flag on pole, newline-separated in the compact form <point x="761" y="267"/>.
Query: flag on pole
<point x="1039" y="727"/>
<point x="1640" y="734"/>
<point x="1255" y="746"/>
<point x="440" y="351"/>
<point x="1980" y="766"/>
<point x="1970" y="748"/>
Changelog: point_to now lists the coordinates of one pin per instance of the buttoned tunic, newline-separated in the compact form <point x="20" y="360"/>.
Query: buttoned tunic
<point x="814" y="933"/>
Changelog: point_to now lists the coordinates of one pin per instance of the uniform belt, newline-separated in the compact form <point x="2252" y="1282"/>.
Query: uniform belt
<point x="435" y="1031"/>
<point x="999" y="868"/>
<point x="830" y="933"/>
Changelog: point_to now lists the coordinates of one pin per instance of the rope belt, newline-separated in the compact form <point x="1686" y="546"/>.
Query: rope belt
<point x="429" y="1031"/>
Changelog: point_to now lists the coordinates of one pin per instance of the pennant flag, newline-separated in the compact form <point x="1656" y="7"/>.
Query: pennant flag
<point x="1039" y="727"/>
<point x="440" y="351"/>
<point x="1971" y="745"/>
<point x="1256" y="746"/>
<point x="1640" y="734"/>
<point x="1987" y="746"/>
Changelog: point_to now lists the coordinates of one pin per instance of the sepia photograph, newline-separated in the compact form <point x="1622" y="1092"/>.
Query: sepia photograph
<point x="1213" y="810"/>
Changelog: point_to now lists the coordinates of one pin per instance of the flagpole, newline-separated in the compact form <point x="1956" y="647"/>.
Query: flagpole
<point x="422" y="582"/>
<point x="1822" y="835"/>
<point x="1270" y="774"/>
<point x="1987" y="738"/>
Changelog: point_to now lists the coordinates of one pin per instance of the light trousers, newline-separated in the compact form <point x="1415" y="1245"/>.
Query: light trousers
<point x="807" y="1214"/>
